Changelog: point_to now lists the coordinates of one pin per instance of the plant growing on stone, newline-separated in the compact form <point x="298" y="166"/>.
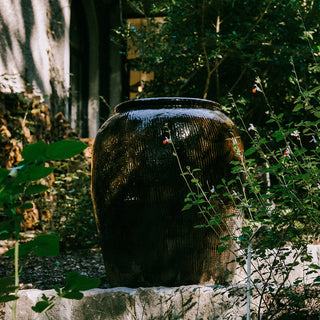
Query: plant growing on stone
<point x="15" y="185"/>
<point x="280" y="193"/>
<point x="279" y="197"/>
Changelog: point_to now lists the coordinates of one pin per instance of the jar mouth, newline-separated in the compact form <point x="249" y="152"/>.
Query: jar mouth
<point x="166" y="102"/>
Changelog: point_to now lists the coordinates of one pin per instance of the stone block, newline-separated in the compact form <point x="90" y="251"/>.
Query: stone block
<point x="186" y="302"/>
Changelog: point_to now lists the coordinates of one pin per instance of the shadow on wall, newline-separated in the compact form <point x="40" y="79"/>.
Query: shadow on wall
<point x="24" y="36"/>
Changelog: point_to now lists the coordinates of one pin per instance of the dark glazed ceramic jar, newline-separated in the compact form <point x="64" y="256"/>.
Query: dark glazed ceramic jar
<point x="138" y="192"/>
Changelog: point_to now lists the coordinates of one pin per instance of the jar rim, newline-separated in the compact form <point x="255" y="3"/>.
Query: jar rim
<point x="166" y="102"/>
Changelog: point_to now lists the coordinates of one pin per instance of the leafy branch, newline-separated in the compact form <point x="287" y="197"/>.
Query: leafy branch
<point x="15" y="185"/>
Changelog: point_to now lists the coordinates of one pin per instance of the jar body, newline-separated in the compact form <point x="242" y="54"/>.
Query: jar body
<point x="138" y="191"/>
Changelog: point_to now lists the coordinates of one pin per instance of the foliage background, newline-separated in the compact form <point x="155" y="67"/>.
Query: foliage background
<point x="209" y="49"/>
<point x="66" y="207"/>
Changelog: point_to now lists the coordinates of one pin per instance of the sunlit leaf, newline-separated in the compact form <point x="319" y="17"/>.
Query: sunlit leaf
<point x="64" y="149"/>
<point x="35" y="151"/>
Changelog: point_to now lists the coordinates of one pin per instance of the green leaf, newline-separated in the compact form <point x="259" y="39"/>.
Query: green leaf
<point x="250" y="151"/>
<point x="317" y="114"/>
<point x="280" y="116"/>
<point x="298" y="107"/>
<point x="6" y="229"/>
<point x="41" y="306"/>
<point x="263" y="140"/>
<point x="78" y="282"/>
<point x="197" y="202"/>
<point x="36" y="189"/>
<point x="35" y="151"/>
<point x="200" y="226"/>
<point x="214" y="222"/>
<point x="26" y="206"/>
<point x="24" y="249"/>
<point x="222" y="249"/>
<point x="32" y="172"/>
<point x="270" y="121"/>
<point x="7" y="298"/>
<point x="299" y="152"/>
<point x="307" y="258"/>
<point x="187" y="207"/>
<point x="64" y="149"/>
<point x="231" y="182"/>
<point x="3" y="174"/>
<point x="46" y="245"/>
<point x="57" y="289"/>
<point x="74" y="294"/>
<point x="7" y="284"/>
<point x="43" y="246"/>
<point x="5" y="234"/>
<point x="7" y="287"/>
<point x="314" y="90"/>
<point x="278" y="135"/>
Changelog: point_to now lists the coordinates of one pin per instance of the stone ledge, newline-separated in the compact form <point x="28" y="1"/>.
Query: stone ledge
<point x="186" y="302"/>
<point x="159" y="303"/>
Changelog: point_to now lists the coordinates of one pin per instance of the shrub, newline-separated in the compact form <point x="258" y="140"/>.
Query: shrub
<point x="15" y="185"/>
<point x="280" y="196"/>
<point x="72" y="213"/>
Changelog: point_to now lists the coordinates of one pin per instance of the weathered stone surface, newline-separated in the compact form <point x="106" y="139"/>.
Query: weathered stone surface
<point x="161" y="303"/>
<point x="299" y="271"/>
<point x="186" y="302"/>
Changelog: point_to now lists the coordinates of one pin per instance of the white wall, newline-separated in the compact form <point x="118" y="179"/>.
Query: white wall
<point x="33" y="37"/>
